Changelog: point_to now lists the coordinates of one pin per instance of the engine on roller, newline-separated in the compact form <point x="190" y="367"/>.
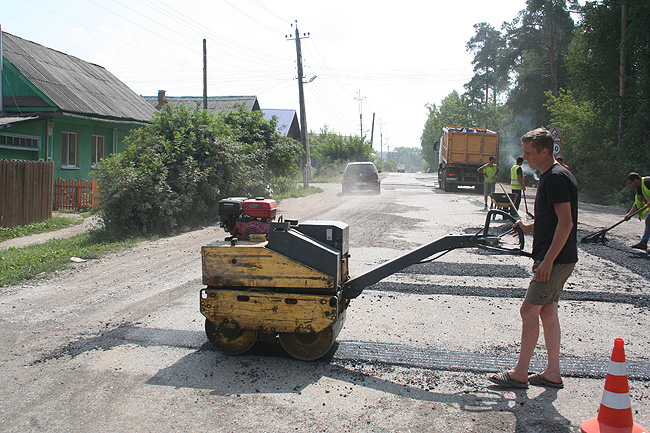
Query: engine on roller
<point x="242" y="217"/>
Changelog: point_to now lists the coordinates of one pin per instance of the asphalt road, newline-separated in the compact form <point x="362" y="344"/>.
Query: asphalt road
<point x="117" y="344"/>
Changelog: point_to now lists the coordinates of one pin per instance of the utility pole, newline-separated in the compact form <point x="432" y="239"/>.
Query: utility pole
<point x="381" y="139"/>
<point x="372" y="130"/>
<point x="304" y="135"/>
<point x="205" y="75"/>
<point x="360" y="99"/>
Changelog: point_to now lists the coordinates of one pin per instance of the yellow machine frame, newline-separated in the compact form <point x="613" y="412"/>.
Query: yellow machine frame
<point x="253" y="290"/>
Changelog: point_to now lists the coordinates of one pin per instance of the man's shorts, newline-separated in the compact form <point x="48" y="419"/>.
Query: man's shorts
<point x="489" y="188"/>
<point x="549" y="291"/>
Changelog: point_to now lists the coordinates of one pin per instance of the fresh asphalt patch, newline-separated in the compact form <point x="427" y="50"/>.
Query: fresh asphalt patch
<point x="637" y="261"/>
<point x="435" y="359"/>
<point x="354" y="351"/>
<point x="642" y="301"/>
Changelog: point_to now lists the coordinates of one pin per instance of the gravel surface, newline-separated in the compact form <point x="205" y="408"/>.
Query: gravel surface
<point x="117" y="344"/>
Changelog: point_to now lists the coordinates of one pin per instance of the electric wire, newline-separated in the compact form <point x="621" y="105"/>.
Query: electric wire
<point x="105" y="34"/>
<point x="249" y="17"/>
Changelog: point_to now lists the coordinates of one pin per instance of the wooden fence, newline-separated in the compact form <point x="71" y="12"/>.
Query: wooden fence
<point x="25" y="192"/>
<point x="75" y="194"/>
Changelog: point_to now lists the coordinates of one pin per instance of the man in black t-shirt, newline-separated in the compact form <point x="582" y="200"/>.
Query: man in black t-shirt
<point x="555" y="252"/>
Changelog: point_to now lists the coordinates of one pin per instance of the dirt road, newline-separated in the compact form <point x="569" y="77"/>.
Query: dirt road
<point x="117" y="344"/>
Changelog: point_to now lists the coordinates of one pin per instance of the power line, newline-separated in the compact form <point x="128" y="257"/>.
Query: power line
<point x="196" y="26"/>
<point x="270" y="11"/>
<point x="103" y="33"/>
<point x="251" y="18"/>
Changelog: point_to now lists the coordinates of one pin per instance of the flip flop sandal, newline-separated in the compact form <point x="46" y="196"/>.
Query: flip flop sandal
<point x="505" y="380"/>
<point x="539" y="380"/>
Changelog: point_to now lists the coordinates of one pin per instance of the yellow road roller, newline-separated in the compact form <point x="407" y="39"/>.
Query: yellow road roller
<point x="292" y="284"/>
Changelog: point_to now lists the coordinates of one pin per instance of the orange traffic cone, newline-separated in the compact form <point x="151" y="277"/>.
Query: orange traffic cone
<point x="615" y="414"/>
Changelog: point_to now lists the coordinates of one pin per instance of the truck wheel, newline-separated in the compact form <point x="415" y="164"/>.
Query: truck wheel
<point x="446" y="186"/>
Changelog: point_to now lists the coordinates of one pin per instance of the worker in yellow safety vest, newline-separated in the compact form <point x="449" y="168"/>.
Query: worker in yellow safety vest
<point x="489" y="172"/>
<point x="641" y="187"/>
<point x="517" y="183"/>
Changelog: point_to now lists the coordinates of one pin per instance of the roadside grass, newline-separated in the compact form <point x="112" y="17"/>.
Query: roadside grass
<point x="328" y="178"/>
<point x="39" y="261"/>
<point x="18" y="265"/>
<point x="54" y="223"/>
<point x="296" y="192"/>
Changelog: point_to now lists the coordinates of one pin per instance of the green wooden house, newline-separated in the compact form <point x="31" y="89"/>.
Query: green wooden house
<point x="57" y="107"/>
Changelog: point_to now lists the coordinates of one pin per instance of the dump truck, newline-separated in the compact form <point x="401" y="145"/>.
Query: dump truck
<point x="462" y="150"/>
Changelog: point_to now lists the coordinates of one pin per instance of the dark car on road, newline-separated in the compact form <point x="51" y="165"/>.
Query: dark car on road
<point x="360" y="176"/>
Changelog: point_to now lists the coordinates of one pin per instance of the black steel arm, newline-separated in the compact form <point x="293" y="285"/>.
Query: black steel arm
<point x="353" y="287"/>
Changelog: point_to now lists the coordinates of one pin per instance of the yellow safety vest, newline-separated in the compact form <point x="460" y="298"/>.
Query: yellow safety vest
<point x="646" y="193"/>
<point x="514" y="180"/>
<point x="490" y="173"/>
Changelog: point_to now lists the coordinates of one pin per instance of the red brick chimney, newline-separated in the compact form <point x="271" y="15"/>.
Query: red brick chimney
<point x="162" y="99"/>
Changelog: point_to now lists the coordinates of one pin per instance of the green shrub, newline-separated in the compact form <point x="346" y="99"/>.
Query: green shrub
<point x="175" y="170"/>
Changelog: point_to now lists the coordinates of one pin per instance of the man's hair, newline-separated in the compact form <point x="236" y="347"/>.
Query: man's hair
<point x="492" y="158"/>
<point x="540" y="138"/>
<point x="520" y="160"/>
<point x="633" y="176"/>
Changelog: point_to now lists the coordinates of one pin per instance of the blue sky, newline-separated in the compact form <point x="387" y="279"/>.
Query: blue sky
<point x="386" y="58"/>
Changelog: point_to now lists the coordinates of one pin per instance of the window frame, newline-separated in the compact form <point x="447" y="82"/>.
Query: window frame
<point x="94" y="156"/>
<point x="35" y="138"/>
<point x="67" y="164"/>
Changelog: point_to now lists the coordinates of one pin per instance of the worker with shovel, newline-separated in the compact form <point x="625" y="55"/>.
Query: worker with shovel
<point x="489" y="172"/>
<point x="641" y="186"/>
<point x="517" y="183"/>
<point x="555" y="252"/>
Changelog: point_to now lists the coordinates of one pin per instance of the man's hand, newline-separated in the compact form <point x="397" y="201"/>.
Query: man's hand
<point x="631" y="213"/>
<point x="543" y="273"/>
<point x="525" y="228"/>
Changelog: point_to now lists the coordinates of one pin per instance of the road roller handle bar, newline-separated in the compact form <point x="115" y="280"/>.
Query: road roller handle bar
<point x="483" y="239"/>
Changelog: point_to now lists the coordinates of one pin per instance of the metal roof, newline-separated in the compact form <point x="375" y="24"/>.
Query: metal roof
<point x="216" y="104"/>
<point x="286" y="117"/>
<point x="8" y="120"/>
<point x="74" y="85"/>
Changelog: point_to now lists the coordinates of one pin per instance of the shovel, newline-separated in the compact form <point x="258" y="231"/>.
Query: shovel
<point x="514" y="208"/>
<point x="599" y="236"/>
<point x="526" y="203"/>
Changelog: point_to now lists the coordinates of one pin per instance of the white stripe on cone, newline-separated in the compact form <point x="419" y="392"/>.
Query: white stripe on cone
<point x="617" y="368"/>
<point x="614" y="400"/>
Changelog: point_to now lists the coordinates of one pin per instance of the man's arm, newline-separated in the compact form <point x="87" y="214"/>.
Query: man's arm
<point x="562" y="232"/>
<point x="630" y="213"/>
<point x="638" y="195"/>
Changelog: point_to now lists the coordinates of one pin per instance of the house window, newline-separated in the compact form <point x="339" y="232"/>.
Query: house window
<point x="69" y="148"/>
<point x="98" y="149"/>
<point x="19" y="141"/>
